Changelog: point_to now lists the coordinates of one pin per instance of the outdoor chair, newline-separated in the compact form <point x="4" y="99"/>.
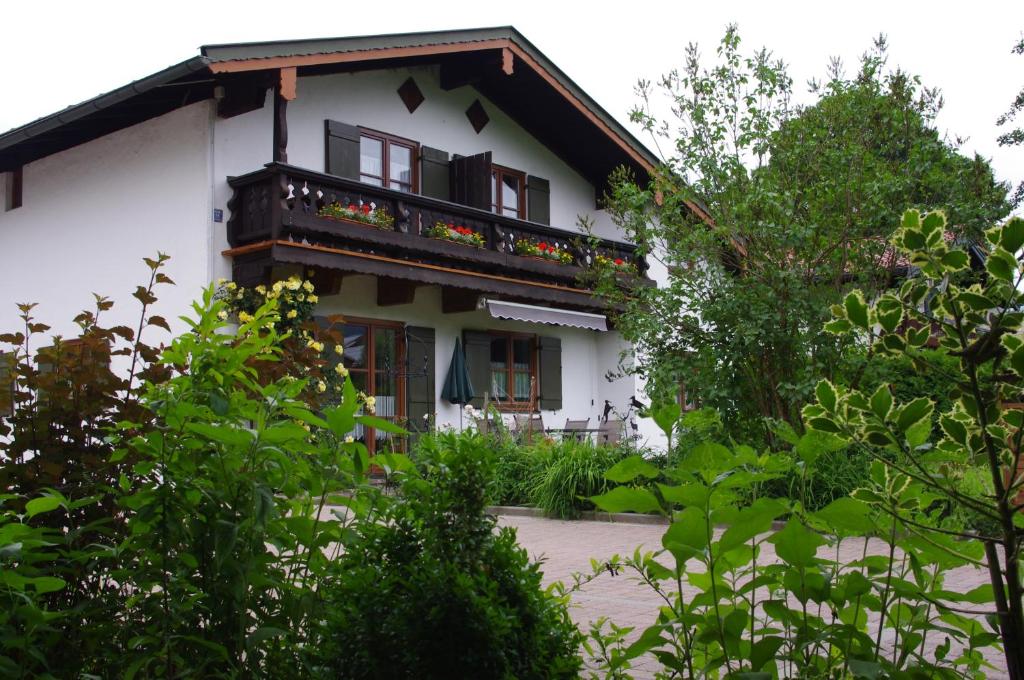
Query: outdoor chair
<point x="575" y="430"/>
<point x="527" y="425"/>
<point x="610" y="433"/>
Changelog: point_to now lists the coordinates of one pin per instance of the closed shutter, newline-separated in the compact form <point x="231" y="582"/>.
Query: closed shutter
<point x="342" y="146"/>
<point x="434" y="173"/>
<point x="550" y="360"/>
<point x="470" y="180"/>
<point x="477" y="346"/>
<point x="538" y="200"/>
<point x="419" y="348"/>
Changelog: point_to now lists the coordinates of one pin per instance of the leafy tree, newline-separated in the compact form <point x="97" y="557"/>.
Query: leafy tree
<point x="802" y="200"/>
<point x="1015" y="136"/>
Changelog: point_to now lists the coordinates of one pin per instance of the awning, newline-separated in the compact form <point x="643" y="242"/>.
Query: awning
<point x="549" y="315"/>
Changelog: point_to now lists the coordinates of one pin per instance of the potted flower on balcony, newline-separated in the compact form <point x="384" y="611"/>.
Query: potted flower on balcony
<point x="615" y="264"/>
<point x="542" y="251"/>
<point x="363" y="213"/>
<point x="456" y="233"/>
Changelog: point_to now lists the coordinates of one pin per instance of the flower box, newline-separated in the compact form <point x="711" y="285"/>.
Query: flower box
<point x="618" y="265"/>
<point x="366" y="214"/>
<point x="456" y="233"/>
<point x="542" y="251"/>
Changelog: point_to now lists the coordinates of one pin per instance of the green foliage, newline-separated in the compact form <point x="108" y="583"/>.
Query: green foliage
<point x="572" y="473"/>
<point x="434" y="590"/>
<point x="796" y="223"/>
<point x="928" y="458"/>
<point x="730" y="611"/>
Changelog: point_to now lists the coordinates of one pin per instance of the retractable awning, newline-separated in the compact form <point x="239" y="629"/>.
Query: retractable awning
<point x="500" y="309"/>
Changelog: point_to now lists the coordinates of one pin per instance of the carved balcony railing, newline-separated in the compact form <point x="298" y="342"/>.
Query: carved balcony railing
<point x="282" y="203"/>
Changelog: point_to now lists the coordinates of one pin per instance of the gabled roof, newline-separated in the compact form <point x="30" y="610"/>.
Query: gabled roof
<point x="499" y="62"/>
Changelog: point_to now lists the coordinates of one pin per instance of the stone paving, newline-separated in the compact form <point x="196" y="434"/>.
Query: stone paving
<point x="567" y="547"/>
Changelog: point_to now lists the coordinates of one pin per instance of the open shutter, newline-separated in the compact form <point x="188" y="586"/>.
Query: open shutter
<point x="538" y="200"/>
<point x="342" y="144"/>
<point x="434" y="173"/>
<point x="477" y="346"/>
<point x="550" y="360"/>
<point x="419" y="348"/>
<point x="470" y="179"/>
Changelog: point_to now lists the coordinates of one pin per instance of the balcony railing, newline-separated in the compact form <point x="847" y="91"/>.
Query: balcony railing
<point x="282" y="203"/>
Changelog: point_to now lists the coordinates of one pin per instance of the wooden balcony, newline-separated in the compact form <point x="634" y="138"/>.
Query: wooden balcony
<point x="275" y="220"/>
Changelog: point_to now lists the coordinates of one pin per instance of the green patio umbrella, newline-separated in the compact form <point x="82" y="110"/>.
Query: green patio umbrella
<point x="458" y="388"/>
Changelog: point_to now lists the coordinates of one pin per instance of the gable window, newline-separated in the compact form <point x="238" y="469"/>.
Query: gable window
<point x="513" y="365"/>
<point x="508" y="192"/>
<point x="388" y="161"/>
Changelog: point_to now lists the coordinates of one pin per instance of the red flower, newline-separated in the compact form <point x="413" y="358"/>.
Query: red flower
<point x="352" y="207"/>
<point x="366" y="209"/>
<point x="619" y="262"/>
<point x="451" y="225"/>
<point x="542" y="246"/>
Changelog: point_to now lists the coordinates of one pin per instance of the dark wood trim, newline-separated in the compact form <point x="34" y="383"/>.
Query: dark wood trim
<point x="15" y="192"/>
<point x="387" y="140"/>
<point x="392" y="292"/>
<point x="458" y="300"/>
<point x="280" y="152"/>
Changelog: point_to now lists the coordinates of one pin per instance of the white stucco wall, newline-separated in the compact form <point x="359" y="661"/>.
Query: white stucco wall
<point x="91" y="213"/>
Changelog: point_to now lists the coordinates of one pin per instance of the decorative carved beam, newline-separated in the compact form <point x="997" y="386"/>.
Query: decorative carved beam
<point x="286" y="84"/>
<point x="507" y="61"/>
<point x="395" y="292"/>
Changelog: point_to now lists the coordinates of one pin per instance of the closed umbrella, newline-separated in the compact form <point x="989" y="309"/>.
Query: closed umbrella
<point x="458" y="388"/>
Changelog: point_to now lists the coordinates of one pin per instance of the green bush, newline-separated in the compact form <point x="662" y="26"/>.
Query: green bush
<point x="433" y="590"/>
<point x="573" y="472"/>
<point x="516" y="471"/>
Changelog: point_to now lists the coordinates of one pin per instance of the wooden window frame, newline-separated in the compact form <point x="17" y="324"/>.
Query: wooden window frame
<point x="371" y="366"/>
<point x="509" y="364"/>
<point x="497" y="205"/>
<point x="387" y="140"/>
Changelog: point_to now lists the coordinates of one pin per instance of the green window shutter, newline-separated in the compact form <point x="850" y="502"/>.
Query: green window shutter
<point x="434" y="173"/>
<point x="477" y="346"/>
<point x="538" y="200"/>
<point x="420" y="392"/>
<point x="549" y="352"/>
<point x="470" y="180"/>
<point x="342" y="149"/>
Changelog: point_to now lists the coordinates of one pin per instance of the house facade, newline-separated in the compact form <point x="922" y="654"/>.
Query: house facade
<point x="354" y="161"/>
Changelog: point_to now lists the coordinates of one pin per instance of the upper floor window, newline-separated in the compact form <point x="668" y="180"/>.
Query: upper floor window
<point x="388" y="161"/>
<point x="508" y="192"/>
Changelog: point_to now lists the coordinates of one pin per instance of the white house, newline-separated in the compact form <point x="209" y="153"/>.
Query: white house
<point x="227" y="161"/>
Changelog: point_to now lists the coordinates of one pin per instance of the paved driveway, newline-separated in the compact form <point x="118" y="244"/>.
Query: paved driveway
<point x="566" y="547"/>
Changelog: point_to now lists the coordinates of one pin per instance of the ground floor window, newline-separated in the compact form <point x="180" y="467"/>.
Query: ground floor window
<point x="513" y="365"/>
<point x="374" y="355"/>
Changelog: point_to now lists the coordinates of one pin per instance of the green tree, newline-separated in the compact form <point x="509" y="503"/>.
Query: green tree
<point x="802" y="200"/>
<point x="1014" y="136"/>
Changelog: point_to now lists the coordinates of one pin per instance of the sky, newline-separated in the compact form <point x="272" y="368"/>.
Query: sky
<point x="59" y="53"/>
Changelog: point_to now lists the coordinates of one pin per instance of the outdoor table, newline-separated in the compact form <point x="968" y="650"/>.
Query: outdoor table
<point x="562" y="432"/>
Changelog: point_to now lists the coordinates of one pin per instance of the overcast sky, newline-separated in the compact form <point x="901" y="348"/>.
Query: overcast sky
<point x="59" y="53"/>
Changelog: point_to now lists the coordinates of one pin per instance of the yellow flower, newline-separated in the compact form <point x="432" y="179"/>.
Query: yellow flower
<point x="313" y="344"/>
<point x="339" y="349"/>
<point x="232" y="285"/>
<point x="244" y="317"/>
<point x="313" y="299"/>
<point x="293" y="283"/>
<point x="222" y="315"/>
<point x="371" y="401"/>
<point x="308" y="286"/>
<point x="349" y="439"/>
<point x="261" y="289"/>
<point x="341" y="370"/>
<point x="321" y="386"/>
<point x="300" y="297"/>
<point x="221" y="281"/>
<point x="278" y="286"/>
<point x="292" y="313"/>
